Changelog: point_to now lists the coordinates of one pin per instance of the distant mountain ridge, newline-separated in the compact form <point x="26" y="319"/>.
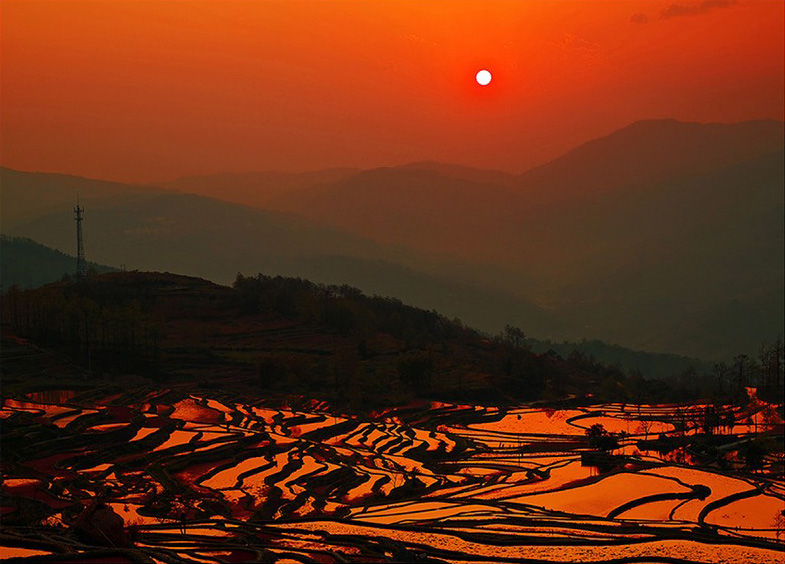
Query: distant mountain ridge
<point x="254" y="188"/>
<point x="27" y="195"/>
<point x="644" y="221"/>
<point x="650" y="151"/>
<point x="199" y="236"/>
<point x="420" y="207"/>
<point x="27" y="264"/>
<point x="461" y="172"/>
<point x="665" y="236"/>
<point x="415" y="207"/>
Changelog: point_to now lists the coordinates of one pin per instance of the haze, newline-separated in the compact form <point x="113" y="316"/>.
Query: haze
<point x="148" y="91"/>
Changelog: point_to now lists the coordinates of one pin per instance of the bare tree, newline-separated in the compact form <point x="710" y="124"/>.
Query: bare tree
<point x="721" y="373"/>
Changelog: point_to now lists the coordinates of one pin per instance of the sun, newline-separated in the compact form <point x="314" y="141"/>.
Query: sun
<point x="483" y="77"/>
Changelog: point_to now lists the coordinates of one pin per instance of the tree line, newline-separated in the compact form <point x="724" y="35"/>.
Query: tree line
<point x="98" y="328"/>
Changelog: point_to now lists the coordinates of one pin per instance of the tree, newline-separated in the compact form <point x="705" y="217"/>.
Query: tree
<point x="770" y="416"/>
<point x="728" y="421"/>
<point x="771" y="363"/>
<point x="601" y="439"/>
<point x="720" y="372"/>
<point x="644" y="425"/>
<point x="711" y="419"/>
<point x="779" y="524"/>
<point x="596" y="430"/>
<point x="513" y="336"/>
<point x="753" y="454"/>
<point x="741" y="372"/>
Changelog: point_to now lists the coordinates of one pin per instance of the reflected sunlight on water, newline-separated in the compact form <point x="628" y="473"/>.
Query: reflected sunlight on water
<point x="233" y="469"/>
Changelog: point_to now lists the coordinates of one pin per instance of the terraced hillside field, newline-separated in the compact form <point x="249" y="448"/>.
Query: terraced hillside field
<point x="154" y="475"/>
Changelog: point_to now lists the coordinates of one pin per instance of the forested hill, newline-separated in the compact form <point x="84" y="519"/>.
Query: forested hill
<point x="279" y="335"/>
<point x="663" y="236"/>
<point x="290" y="336"/>
<point x="29" y="264"/>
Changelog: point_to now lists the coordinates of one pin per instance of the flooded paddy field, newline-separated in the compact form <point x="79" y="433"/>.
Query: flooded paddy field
<point x="165" y="476"/>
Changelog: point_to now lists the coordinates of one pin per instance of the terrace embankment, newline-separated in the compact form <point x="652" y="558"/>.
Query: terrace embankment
<point x="160" y="418"/>
<point x="156" y="475"/>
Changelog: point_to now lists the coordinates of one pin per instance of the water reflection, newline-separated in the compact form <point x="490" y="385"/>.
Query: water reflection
<point x="526" y="472"/>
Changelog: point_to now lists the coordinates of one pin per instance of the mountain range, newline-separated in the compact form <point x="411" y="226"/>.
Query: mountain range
<point x="665" y="236"/>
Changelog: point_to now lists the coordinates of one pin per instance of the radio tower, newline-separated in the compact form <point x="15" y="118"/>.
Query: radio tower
<point x="81" y="266"/>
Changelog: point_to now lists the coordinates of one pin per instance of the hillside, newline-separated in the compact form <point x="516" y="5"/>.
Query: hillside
<point x="648" y="152"/>
<point x="664" y="236"/>
<point x="213" y="239"/>
<point x="700" y="258"/>
<point x="282" y="334"/>
<point x="28" y="264"/>
<point x="659" y="366"/>
<point x="26" y="196"/>
<point x="420" y="208"/>
<point x="460" y="172"/>
<point x="482" y="216"/>
<point x="254" y="188"/>
<point x="291" y="336"/>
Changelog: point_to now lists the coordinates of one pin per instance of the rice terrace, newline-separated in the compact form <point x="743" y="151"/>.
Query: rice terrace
<point x="352" y="281"/>
<point x="233" y="468"/>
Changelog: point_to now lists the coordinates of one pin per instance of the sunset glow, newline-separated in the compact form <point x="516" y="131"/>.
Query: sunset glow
<point x="392" y="281"/>
<point x="107" y="88"/>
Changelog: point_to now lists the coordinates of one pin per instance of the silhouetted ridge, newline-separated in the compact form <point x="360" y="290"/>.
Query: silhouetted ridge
<point x="650" y="151"/>
<point x="27" y="264"/>
<point x="664" y="236"/>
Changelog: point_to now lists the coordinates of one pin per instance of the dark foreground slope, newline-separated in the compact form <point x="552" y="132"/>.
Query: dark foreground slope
<point x="276" y="334"/>
<point x="28" y="264"/>
<point x="289" y="335"/>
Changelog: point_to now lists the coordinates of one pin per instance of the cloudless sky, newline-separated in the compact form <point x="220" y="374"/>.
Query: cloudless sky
<point x="149" y="90"/>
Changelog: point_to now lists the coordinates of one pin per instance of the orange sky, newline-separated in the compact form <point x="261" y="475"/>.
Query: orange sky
<point x="149" y="90"/>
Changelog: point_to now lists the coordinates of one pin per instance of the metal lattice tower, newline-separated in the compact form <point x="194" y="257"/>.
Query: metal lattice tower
<point x="81" y="265"/>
